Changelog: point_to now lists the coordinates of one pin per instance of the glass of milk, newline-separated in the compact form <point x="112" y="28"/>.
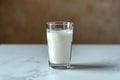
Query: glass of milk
<point x="59" y="37"/>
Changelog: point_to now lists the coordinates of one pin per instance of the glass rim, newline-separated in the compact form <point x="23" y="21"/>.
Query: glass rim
<point x="59" y="22"/>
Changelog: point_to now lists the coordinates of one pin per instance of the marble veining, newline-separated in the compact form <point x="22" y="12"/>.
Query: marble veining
<point x="29" y="62"/>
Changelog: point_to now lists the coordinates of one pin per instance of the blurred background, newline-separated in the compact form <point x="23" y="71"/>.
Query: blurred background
<point x="95" y="21"/>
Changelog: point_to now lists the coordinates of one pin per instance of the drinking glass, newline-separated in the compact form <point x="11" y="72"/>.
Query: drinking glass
<point x="59" y="38"/>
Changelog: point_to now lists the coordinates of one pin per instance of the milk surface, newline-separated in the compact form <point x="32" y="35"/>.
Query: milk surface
<point x="59" y="43"/>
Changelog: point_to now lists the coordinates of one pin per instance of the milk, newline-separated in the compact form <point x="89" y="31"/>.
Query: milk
<point x="59" y="43"/>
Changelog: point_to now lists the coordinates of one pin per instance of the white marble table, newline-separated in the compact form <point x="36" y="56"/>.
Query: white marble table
<point x="30" y="62"/>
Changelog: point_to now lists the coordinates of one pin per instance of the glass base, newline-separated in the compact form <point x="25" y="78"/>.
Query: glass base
<point x="59" y="66"/>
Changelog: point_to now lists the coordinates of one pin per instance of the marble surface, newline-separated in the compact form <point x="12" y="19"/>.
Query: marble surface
<point x="30" y="62"/>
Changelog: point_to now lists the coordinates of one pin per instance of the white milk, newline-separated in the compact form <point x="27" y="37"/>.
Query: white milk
<point x="59" y="43"/>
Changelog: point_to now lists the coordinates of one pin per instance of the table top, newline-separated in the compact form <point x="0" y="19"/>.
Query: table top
<point x="30" y="62"/>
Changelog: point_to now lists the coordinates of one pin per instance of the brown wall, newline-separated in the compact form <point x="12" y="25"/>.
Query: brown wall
<point x="96" y="21"/>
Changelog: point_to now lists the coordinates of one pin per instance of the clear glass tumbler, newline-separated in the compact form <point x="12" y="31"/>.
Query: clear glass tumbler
<point x="59" y="37"/>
